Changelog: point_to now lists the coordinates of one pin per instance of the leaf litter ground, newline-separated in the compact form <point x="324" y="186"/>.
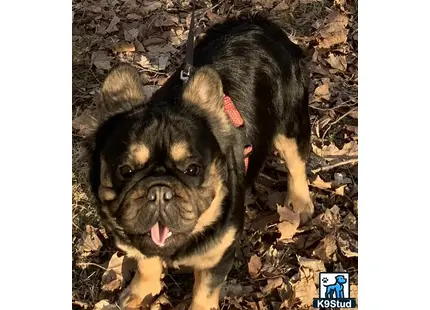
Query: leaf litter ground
<point x="278" y="262"/>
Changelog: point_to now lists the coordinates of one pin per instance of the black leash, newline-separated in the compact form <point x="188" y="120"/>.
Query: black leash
<point x="188" y="67"/>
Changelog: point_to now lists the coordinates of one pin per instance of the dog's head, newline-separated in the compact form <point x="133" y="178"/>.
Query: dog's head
<point x="159" y="169"/>
<point x="340" y="279"/>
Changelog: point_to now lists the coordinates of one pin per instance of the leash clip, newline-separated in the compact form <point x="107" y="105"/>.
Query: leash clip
<point x="185" y="75"/>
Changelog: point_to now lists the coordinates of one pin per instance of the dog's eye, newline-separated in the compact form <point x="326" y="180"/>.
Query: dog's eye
<point x="192" y="170"/>
<point x="125" y="171"/>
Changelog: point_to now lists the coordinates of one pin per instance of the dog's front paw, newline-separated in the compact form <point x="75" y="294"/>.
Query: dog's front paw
<point x="131" y="299"/>
<point x="301" y="205"/>
<point x="138" y="296"/>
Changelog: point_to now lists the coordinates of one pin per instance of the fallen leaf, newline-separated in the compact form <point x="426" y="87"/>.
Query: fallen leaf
<point x="350" y="222"/>
<point x="322" y="92"/>
<point x="134" y="16"/>
<point x="163" y="61"/>
<point x="351" y="128"/>
<point x="340" y="190"/>
<point x="117" y="273"/>
<point x="305" y="290"/>
<point x="286" y="214"/>
<point x="311" y="263"/>
<point x="287" y="230"/>
<point x="89" y="243"/>
<point x="320" y="183"/>
<point x="151" y="6"/>
<point x="234" y="289"/>
<point x="254" y="265"/>
<point x="354" y="114"/>
<point x="215" y="18"/>
<point x="85" y="123"/>
<point x="104" y="304"/>
<point x="290" y="221"/>
<point x="305" y="240"/>
<point x="81" y="304"/>
<point x="143" y="61"/>
<point x="282" y="6"/>
<point x="329" y="220"/>
<point x="123" y="47"/>
<point x="272" y="283"/>
<point x="337" y="62"/>
<point x="166" y="20"/>
<point x="101" y="60"/>
<point x="160" y="48"/>
<point x="112" y="25"/>
<point x="331" y="151"/>
<point x="131" y="35"/>
<point x="310" y="267"/>
<point x="340" y="2"/>
<point x="347" y="245"/>
<point x="326" y="249"/>
<point x="153" y="41"/>
<point x="334" y="31"/>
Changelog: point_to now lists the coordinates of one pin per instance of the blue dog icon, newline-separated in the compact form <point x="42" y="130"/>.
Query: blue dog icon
<point x="336" y="287"/>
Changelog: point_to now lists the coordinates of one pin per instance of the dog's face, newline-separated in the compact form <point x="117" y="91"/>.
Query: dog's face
<point x="158" y="170"/>
<point x="340" y="279"/>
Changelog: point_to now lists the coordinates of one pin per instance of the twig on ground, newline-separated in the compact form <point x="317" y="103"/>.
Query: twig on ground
<point x="325" y="168"/>
<point x="338" y="120"/>
<point x="90" y="264"/>
<point x="342" y="105"/>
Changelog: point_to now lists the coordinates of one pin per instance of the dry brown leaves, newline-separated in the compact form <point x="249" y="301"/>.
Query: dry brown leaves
<point x="254" y="265"/>
<point x="117" y="273"/>
<point x="331" y="151"/>
<point x="90" y="243"/>
<point x="278" y="262"/>
<point x="334" y="30"/>
<point x="289" y="222"/>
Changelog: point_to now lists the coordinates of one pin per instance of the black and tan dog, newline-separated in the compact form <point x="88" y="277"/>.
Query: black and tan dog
<point x="171" y="172"/>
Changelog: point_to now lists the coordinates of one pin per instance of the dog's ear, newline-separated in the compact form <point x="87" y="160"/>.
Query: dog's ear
<point x="121" y="91"/>
<point x="204" y="89"/>
<point x="122" y="87"/>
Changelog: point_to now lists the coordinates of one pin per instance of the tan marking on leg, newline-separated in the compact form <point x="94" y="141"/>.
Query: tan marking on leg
<point x="140" y="154"/>
<point x="298" y="190"/>
<point x="211" y="214"/>
<point x="146" y="283"/>
<point x="180" y="151"/>
<point x="212" y="255"/>
<point x="204" y="298"/>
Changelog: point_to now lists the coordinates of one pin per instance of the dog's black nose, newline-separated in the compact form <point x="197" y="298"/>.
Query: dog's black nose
<point x="160" y="194"/>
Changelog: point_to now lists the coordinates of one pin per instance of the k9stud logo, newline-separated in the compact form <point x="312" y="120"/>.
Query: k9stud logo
<point x="334" y="291"/>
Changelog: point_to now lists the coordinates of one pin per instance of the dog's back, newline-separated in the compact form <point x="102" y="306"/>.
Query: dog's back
<point x="261" y="71"/>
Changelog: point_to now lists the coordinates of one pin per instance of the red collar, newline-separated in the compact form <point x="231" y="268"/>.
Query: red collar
<point x="237" y="120"/>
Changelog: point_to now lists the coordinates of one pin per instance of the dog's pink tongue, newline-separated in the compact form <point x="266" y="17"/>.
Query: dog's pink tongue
<point x="159" y="233"/>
